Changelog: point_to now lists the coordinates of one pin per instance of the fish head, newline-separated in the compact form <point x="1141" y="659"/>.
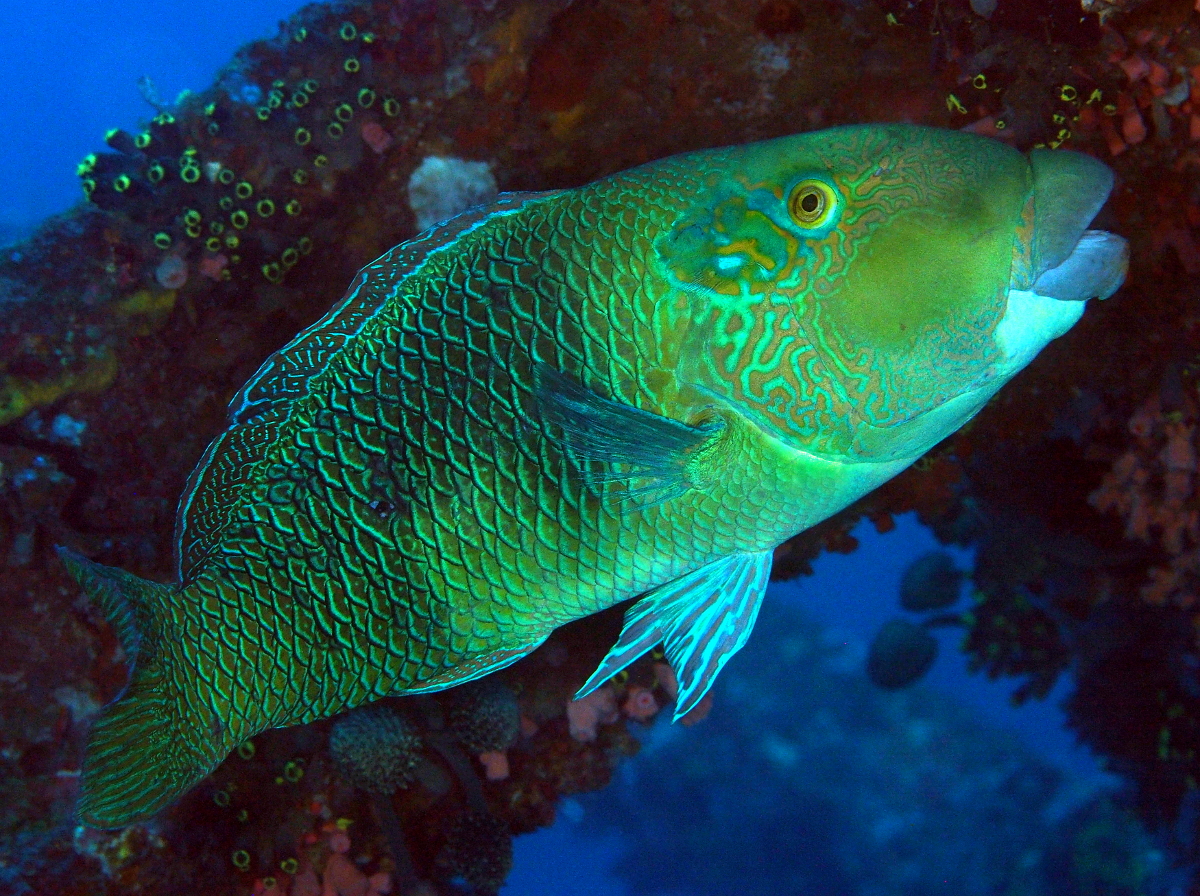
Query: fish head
<point x="865" y="290"/>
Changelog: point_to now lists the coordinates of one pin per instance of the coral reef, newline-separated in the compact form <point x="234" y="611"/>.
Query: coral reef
<point x="232" y="220"/>
<point x="485" y="716"/>
<point x="478" y="850"/>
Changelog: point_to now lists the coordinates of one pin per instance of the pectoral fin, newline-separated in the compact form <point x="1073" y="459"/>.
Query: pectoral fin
<point x="625" y="443"/>
<point x="703" y="618"/>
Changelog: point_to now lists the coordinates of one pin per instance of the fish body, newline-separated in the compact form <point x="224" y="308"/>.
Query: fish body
<point x="563" y="400"/>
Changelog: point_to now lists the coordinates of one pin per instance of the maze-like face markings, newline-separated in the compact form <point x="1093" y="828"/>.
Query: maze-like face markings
<point x="747" y="274"/>
<point x="920" y="277"/>
<point x="820" y="331"/>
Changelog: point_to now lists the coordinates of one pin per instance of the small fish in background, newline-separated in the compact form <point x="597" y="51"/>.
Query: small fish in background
<point x="903" y="651"/>
<point x="559" y="401"/>
<point x="931" y="582"/>
<point x="900" y="654"/>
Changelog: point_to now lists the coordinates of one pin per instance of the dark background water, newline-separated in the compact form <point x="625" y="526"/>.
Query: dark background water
<point x="71" y="71"/>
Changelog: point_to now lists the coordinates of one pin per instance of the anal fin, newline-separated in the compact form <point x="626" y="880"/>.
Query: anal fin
<point x="703" y="618"/>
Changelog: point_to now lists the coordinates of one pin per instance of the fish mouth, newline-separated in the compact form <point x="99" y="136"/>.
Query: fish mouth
<point x="1067" y="263"/>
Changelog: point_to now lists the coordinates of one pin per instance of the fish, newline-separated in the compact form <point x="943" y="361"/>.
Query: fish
<point x="563" y="400"/>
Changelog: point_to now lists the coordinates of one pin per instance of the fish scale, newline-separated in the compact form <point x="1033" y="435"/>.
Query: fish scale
<point x="559" y="401"/>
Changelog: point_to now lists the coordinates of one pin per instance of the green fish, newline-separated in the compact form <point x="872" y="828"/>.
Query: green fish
<point x="560" y="401"/>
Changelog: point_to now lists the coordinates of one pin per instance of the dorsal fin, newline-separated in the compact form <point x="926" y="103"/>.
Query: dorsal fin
<point x="264" y="404"/>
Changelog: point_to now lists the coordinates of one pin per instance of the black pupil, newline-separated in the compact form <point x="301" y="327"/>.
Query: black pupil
<point x="809" y="202"/>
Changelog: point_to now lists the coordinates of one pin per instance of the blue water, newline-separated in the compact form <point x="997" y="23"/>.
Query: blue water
<point x="71" y="70"/>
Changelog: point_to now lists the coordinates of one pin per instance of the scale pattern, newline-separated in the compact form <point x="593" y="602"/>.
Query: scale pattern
<point x="410" y="523"/>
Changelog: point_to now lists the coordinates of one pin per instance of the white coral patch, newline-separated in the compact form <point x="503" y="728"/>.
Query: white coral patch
<point x="441" y="187"/>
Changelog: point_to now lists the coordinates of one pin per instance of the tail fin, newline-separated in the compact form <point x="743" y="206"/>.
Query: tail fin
<point x="139" y="755"/>
<point x="125" y="600"/>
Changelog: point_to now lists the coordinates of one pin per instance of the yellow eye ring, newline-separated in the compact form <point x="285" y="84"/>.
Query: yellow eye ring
<point x="813" y="203"/>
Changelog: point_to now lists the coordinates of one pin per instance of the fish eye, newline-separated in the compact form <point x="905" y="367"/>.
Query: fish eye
<point x="812" y="203"/>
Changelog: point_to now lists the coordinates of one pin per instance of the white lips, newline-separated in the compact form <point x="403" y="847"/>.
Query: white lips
<point x="1094" y="269"/>
<point x="1031" y="321"/>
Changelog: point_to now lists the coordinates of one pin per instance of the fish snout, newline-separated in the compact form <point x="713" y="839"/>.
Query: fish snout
<point x="1067" y="263"/>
